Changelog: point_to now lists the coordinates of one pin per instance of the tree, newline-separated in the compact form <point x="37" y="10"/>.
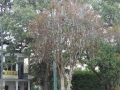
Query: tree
<point x="43" y="76"/>
<point x="109" y="10"/>
<point x="61" y="33"/>
<point x="107" y="60"/>
<point x="14" y="24"/>
<point x="36" y="4"/>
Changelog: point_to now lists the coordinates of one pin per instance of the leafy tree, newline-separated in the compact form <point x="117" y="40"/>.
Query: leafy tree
<point x="107" y="60"/>
<point x="43" y="76"/>
<point x="14" y="23"/>
<point x="15" y="28"/>
<point x="60" y="35"/>
<point x="109" y="10"/>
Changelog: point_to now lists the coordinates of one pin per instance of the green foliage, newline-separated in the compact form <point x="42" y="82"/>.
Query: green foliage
<point x="15" y="25"/>
<point x="37" y="4"/>
<point x="85" y="80"/>
<point x="38" y="70"/>
<point x="110" y="64"/>
<point x="108" y="61"/>
<point x="109" y="10"/>
<point x="35" y="71"/>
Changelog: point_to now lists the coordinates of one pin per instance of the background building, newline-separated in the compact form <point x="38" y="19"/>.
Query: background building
<point x="15" y="73"/>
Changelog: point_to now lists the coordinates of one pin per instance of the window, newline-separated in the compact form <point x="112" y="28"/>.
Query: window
<point x="6" y="88"/>
<point x="18" y="87"/>
<point x="14" y="67"/>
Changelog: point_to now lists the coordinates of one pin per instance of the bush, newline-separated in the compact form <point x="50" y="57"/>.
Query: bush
<point x="85" y="80"/>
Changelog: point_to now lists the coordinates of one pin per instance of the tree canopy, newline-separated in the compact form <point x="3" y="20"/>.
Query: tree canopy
<point x="66" y="32"/>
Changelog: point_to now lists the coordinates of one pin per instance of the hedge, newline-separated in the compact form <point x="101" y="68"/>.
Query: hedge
<point x="85" y="80"/>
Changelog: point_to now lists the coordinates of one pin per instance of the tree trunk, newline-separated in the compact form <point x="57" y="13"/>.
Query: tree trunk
<point x="62" y="82"/>
<point x="68" y="86"/>
<point x="104" y="86"/>
<point x="69" y="79"/>
<point x="46" y="78"/>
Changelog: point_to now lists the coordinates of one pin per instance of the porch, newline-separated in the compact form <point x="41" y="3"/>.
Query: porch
<point x="16" y="84"/>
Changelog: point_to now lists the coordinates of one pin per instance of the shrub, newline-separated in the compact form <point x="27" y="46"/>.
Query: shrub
<point x="85" y="80"/>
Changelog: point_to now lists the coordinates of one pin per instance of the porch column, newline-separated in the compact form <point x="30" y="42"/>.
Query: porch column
<point x="16" y="85"/>
<point x="3" y="85"/>
<point x="28" y="85"/>
<point x="28" y="67"/>
<point x="3" y="59"/>
<point x="17" y="67"/>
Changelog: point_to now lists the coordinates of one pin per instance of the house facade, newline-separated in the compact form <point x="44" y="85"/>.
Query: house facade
<point x="15" y="73"/>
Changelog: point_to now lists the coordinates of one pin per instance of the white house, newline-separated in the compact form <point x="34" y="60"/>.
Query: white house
<point x="15" y="74"/>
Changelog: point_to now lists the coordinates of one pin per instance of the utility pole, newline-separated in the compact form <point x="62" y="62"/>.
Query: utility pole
<point x="54" y="75"/>
<point x="2" y="87"/>
<point x="54" y="63"/>
<point x="5" y="4"/>
<point x="1" y="67"/>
